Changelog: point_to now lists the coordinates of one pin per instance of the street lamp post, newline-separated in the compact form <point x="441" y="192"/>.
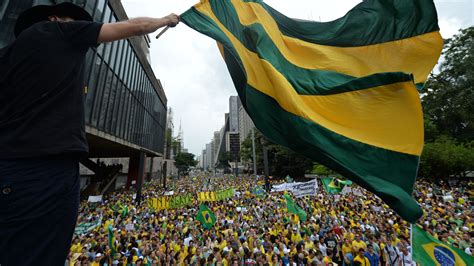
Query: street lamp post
<point x="253" y="152"/>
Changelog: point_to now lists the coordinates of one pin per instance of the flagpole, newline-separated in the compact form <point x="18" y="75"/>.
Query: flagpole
<point x="162" y="32"/>
<point x="253" y="152"/>
<point x="165" y="29"/>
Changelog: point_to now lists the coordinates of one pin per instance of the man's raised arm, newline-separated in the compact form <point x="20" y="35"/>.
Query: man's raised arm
<point x="135" y="27"/>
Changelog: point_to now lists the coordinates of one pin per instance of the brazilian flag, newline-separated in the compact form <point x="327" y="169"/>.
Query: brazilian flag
<point x="294" y="208"/>
<point x="259" y="191"/>
<point x="342" y="93"/>
<point x="206" y="217"/>
<point x="334" y="185"/>
<point x="429" y="251"/>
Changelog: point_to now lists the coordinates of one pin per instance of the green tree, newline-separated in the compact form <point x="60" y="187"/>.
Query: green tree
<point x="448" y="97"/>
<point x="282" y="161"/>
<point x="320" y="169"/>
<point x="223" y="160"/>
<point x="183" y="161"/>
<point x="448" y="105"/>
<point x="246" y="151"/>
<point x="287" y="162"/>
<point x="444" y="158"/>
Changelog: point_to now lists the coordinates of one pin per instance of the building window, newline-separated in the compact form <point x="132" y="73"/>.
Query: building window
<point x="99" y="10"/>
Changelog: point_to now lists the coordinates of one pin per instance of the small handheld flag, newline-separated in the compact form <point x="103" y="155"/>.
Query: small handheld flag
<point x="295" y="209"/>
<point x="113" y="248"/>
<point x="429" y="251"/>
<point x="206" y="217"/>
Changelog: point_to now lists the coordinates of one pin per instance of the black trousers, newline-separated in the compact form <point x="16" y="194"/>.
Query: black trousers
<point x="39" y="201"/>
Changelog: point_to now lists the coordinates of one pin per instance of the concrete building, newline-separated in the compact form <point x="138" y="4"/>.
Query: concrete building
<point x="234" y="105"/>
<point x="204" y="159"/>
<point x="210" y="156"/>
<point x="125" y="105"/>
<point x="245" y="124"/>
<point x="233" y="145"/>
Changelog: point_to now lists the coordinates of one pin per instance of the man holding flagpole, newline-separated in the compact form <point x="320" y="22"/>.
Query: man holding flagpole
<point x="42" y="131"/>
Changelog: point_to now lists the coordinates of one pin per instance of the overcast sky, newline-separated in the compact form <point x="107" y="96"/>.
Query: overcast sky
<point x="195" y="78"/>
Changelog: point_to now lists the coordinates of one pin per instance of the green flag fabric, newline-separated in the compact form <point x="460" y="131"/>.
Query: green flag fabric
<point x="333" y="185"/>
<point x="429" y="251"/>
<point x="294" y="208"/>
<point x="342" y="92"/>
<point x="206" y="217"/>
<point x="124" y="211"/>
<point x="113" y="248"/>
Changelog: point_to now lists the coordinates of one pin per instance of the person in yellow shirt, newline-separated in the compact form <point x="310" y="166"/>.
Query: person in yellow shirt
<point x="358" y="244"/>
<point x="327" y="260"/>
<point x="347" y="250"/>
<point x="349" y="235"/>
<point x="308" y="244"/>
<point x="361" y="259"/>
<point x="225" y="258"/>
<point x="295" y="236"/>
<point x="395" y="240"/>
<point x="97" y="259"/>
<point x="76" y="247"/>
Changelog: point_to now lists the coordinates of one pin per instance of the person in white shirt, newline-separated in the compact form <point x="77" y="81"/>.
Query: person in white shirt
<point x="468" y="251"/>
<point x="322" y="247"/>
<point x="187" y="239"/>
<point x="406" y="259"/>
<point x="393" y="255"/>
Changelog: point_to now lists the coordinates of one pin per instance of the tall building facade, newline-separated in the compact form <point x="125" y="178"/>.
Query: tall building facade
<point x="123" y="98"/>
<point x="210" y="156"/>
<point x="233" y="145"/>
<point x="245" y="124"/>
<point x="234" y="104"/>
<point x="125" y="104"/>
<point x="204" y="159"/>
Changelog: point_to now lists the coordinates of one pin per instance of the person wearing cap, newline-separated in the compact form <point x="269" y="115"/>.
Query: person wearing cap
<point x="97" y="259"/>
<point x="42" y="131"/>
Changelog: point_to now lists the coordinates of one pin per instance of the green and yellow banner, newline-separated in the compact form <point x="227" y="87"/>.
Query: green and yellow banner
<point x="342" y="92"/>
<point x="173" y="202"/>
<point x="216" y="195"/>
<point x="180" y="201"/>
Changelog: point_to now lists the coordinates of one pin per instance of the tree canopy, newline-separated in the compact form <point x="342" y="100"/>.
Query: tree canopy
<point x="282" y="161"/>
<point x="448" y="97"/>
<point x="448" y="105"/>
<point x="184" y="161"/>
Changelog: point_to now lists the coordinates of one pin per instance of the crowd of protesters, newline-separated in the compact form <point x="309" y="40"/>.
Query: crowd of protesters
<point x="256" y="228"/>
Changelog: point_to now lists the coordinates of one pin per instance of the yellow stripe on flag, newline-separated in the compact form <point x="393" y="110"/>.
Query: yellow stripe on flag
<point x="366" y="120"/>
<point x="421" y="52"/>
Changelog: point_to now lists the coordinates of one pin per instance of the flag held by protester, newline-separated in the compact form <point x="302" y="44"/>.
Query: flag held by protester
<point x="429" y="251"/>
<point x="113" y="248"/>
<point x="294" y="208"/>
<point x="341" y="92"/>
<point x="334" y="185"/>
<point x="206" y="217"/>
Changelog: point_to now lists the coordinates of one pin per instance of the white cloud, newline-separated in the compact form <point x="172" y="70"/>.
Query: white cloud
<point x="195" y="78"/>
